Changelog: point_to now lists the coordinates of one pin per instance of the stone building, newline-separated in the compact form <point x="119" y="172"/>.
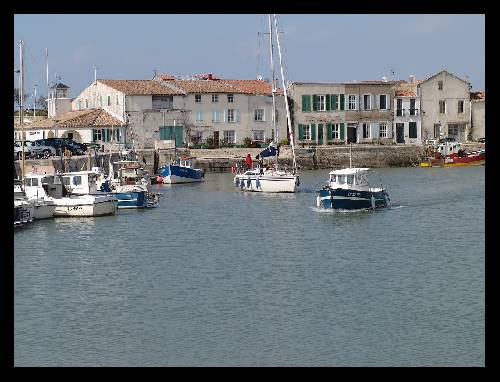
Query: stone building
<point x="445" y="107"/>
<point x="331" y="113"/>
<point x="477" y="100"/>
<point x="407" y="121"/>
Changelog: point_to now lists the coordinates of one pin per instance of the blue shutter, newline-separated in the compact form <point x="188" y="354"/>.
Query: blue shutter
<point x="306" y="103"/>
<point x="238" y="115"/>
<point x="313" y="131"/>
<point x="301" y="132"/>
<point x="315" y="105"/>
<point x="329" y="134"/>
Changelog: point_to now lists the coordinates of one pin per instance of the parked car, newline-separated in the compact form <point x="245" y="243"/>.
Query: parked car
<point x="39" y="150"/>
<point x="18" y="150"/>
<point x="482" y="140"/>
<point x="59" y="144"/>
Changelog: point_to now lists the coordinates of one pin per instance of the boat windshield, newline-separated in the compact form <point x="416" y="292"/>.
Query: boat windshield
<point x="48" y="180"/>
<point x="350" y="179"/>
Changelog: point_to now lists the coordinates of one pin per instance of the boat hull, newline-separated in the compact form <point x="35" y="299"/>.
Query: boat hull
<point x="81" y="207"/>
<point x="178" y="174"/>
<point x="136" y="199"/>
<point x="351" y="199"/>
<point x="456" y="161"/>
<point x="43" y="210"/>
<point x="266" y="183"/>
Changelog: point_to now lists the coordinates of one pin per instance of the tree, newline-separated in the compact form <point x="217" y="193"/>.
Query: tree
<point x="41" y="103"/>
<point x="17" y="98"/>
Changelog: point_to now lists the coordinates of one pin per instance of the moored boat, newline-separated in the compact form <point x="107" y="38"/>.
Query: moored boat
<point x="181" y="171"/>
<point x="451" y="154"/>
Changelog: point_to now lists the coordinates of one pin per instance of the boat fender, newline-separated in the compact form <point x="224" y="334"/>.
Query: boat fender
<point x="242" y="183"/>
<point x="373" y="201"/>
<point x="298" y="181"/>
<point x="249" y="182"/>
<point x="257" y="182"/>
<point x="236" y="182"/>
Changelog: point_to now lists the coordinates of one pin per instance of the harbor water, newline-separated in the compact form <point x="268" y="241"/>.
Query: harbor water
<point x="218" y="277"/>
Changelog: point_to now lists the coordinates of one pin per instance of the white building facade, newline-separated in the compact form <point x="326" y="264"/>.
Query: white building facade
<point x="406" y="111"/>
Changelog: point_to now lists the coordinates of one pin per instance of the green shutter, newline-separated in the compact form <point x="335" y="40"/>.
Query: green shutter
<point x="329" y="132"/>
<point x="306" y="102"/>
<point x="313" y="131"/>
<point x="315" y="104"/>
<point x="341" y="131"/>
<point x="328" y="100"/>
<point x="334" y="101"/>
<point x="341" y="102"/>
<point x="301" y="132"/>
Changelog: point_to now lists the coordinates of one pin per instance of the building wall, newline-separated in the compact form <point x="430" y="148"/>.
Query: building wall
<point x="406" y="118"/>
<point x="243" y="126"/>
<point x="453" y="90"/>
<point x="93" y="93"/>
<point x="478" y="120"/>
<point x="300" y="117"/>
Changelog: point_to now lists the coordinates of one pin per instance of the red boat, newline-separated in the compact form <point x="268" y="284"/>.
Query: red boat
<point x="450" y="154"/>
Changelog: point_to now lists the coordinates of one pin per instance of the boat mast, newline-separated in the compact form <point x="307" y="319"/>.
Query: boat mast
<point x="21" y="95"/>
<point x="286" y="97"/>
<point x="273" y="84"/>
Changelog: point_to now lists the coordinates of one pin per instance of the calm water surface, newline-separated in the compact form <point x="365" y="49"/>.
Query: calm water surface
<point x="218" y="277"/>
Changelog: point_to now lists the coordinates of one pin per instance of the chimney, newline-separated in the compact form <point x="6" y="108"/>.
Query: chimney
<point x="210" y="76"/>
<point x="412" y="79"/>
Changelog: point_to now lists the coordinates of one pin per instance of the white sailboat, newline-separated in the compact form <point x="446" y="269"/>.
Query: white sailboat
<point x="272" y="178"/>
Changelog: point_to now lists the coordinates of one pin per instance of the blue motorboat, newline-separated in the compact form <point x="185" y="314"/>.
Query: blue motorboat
<point x="348" y="189"/>
<point x="181" y="171"/>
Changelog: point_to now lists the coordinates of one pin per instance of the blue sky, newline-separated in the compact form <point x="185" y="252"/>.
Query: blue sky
<point x="316" y="47"/>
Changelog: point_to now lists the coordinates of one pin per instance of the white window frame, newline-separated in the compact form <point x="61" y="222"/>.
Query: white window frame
<point x="258" y="135"/>
<point x="320" y="102"/>
<point x="463" y="106"/>
<point x="386" y="102"/>
<point x="444" y="106"/>
<point x="369" y="102"/>
<point x="215" y="98"/>
<point x="262" y="115"/>
<point x="230" y="98"/>
<point x="307" y="133"/>
<point x="349" y="102"/>
<point x="369" y="128"/>
<point x="228" y="137"/>
<point x="197" y="98"/>
<point x="231" y="115"/>
<point x="199" y="116"/>
<point x="216" y="116"/>
<point x="335" y="131"/>
<point x="382" y="131"/>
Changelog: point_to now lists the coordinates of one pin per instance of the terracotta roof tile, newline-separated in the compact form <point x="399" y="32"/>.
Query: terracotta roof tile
<point x="203" y="86"/>
<point x="251" y="86"/>
<point x="77" y="118"/>
<point x="140" y="87"/>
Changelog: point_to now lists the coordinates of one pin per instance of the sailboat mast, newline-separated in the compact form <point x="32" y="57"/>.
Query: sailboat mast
<point x="286" y="97"/>
<point x="21" y="96"/>
<point x="273" y="80"/>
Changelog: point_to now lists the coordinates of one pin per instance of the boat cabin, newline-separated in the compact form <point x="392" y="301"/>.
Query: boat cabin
<point x="186" y="162"/>
<point x="38" y="186"/>
<point x="349" y="178"/>
<point x="448" y="148"/>
<point x="81" y="182"/>
<point x="130" y="172"/>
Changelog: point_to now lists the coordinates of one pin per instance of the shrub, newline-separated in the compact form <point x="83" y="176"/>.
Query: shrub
<point x="247" y="142"/>
<point x="284" y="142"/>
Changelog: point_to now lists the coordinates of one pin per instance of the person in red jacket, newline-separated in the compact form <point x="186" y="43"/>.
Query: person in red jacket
<point x="248" y="161"/>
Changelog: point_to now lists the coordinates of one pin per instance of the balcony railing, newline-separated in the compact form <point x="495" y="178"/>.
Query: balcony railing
<point x="405" y="112"/>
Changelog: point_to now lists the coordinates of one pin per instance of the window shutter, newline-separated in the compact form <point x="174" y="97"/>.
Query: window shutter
<point x="329" y="132"/>
<point x="306" y="103"/>
<point x="225" y="115"/>
<point x="341" y="131"/>
<point x="342" y="101"/>
<point x="334" y="101"/>
<point x="327" y="101"/>
<point x="301" y="132"/>
<point x="375" y="102"/>
<point x="238" y="115"/>
<point x="313" y="131"/>
<point x="315" y="106"/>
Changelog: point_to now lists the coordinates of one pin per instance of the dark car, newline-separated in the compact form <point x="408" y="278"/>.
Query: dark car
<point x="63" y="143"/>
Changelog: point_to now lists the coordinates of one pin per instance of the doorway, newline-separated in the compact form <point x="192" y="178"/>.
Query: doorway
<point x="216" y="139"/>
<point x="400" y="133"/>
<point x="352" y="133"/>
<point x="320" y="134"/>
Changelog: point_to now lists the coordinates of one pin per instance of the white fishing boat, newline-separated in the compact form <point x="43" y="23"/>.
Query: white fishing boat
<point x="24" y="211"/>
<point x="273" y="178"/>
<point x="68" y="193"/>
<point x="181" y="171"/>
<point x="349" y="189"/>
<point x="42" y="208"/>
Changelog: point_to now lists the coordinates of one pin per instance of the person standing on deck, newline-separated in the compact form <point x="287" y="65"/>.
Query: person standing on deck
<point x="248" y="162"/>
